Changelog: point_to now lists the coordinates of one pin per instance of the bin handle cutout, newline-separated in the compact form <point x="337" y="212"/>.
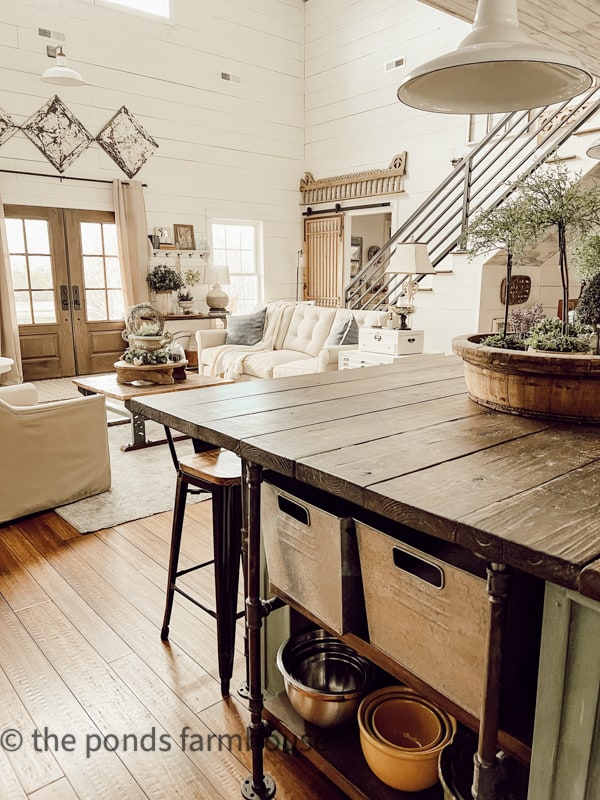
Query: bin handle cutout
<point x="419" y="568"/>
<point x="294" y="510"/>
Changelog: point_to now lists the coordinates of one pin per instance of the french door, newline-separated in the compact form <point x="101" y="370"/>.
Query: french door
<point x="67" y="285"/>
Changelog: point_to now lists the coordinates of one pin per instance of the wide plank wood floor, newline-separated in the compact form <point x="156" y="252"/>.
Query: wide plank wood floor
<point x="93" y="705"/>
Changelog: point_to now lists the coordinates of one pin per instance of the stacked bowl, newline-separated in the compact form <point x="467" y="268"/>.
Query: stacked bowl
<point x="324" y="679"/>
<point x="402" y="735"/>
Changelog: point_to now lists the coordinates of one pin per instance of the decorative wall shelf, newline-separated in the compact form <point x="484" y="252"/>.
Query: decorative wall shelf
<point x="358" y="184"/>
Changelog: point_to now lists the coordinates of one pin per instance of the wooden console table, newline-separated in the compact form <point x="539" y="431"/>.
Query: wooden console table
<point x="407" y="444"/>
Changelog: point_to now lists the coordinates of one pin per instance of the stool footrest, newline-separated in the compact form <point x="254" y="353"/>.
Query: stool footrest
<point x="193" y="569"/>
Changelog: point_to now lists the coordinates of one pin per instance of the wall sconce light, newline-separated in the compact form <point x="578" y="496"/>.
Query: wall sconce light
<point x="496" y="68"/>
<point x="60" y="73"/>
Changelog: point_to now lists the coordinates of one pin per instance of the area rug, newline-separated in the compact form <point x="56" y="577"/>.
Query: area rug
<point x="143" y="483"/>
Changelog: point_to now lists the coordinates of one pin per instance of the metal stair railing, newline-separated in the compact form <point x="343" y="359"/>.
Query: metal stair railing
<point x="515" y="147"/>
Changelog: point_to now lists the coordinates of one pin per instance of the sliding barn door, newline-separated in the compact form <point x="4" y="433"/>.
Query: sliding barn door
<point x="324" y="260"/>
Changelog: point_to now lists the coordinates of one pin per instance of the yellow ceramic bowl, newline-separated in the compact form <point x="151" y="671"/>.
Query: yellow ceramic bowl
<point x="411" y="769"/>
<point x="407" y="723"/>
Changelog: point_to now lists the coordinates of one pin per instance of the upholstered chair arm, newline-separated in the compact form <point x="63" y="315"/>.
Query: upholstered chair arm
<point x="52" y="454"/>
<point x="19" y="394"/>
<point x="328" y="356"/>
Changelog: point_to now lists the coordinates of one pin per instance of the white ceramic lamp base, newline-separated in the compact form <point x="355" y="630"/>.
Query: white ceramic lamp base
<point x="216" y="299"/>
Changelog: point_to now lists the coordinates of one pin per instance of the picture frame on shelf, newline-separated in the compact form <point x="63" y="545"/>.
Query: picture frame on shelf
<point x="164" y="235"/>
<point x="184" y="237"/>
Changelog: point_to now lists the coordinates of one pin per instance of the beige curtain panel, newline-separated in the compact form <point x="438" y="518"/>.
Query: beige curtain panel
<point x="9" y="329"/>
<point x="130" y="215"/>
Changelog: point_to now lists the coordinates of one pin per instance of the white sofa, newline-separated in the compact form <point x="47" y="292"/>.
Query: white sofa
<point x="52" y="453"/>
<point x="293" y="343"/>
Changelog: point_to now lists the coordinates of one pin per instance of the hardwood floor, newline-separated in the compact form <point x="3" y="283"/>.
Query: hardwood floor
<point x="104" y="708"/>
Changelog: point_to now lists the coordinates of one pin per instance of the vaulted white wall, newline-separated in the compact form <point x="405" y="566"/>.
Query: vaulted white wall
<point x="354" y="120"/>
<point x="226" y="149"/>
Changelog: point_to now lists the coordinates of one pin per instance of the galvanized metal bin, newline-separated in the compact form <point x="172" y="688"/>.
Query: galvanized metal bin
<point x="428" y="615"/>
<point x="312" y="558"/>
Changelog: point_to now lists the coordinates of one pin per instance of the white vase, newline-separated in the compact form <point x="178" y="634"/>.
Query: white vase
<point x="162" y="301"/>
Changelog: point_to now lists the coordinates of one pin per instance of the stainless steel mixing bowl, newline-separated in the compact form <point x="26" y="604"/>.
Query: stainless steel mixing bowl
<point x="324" y="678"/>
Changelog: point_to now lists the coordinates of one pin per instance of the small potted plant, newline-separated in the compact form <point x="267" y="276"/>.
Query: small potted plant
<point x="163" y="281"/>
<point x="185" y="300"/>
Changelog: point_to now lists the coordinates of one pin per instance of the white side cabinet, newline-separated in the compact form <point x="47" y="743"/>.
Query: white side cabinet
<point x="350" y="359"/>
<point x="392" y="341"/>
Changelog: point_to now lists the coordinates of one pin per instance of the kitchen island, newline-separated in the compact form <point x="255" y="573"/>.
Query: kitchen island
<point x="407" y="446"/>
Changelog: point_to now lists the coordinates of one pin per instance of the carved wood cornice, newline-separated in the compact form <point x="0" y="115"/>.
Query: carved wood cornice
<point x="358" y="184"/>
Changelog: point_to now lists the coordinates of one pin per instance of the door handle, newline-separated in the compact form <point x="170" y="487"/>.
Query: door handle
<point x="64" y="298"/>
<point x="76" y="298"/>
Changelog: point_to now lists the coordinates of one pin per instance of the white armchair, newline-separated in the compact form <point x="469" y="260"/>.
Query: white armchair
<point x="52" y="453"/>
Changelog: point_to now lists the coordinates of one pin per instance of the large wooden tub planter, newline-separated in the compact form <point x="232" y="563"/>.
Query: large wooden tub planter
<point x="559" y="386"/>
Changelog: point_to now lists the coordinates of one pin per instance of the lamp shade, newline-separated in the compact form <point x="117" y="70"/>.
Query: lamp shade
<point x="217" y="273"/>
<point x="410" y="258"/>
<point x="60" y="73"/>
<point x="496" y="68"/>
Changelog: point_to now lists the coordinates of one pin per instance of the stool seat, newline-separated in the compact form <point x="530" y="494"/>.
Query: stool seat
<point x="217" y="467"/>
<point x="219" y="472"/>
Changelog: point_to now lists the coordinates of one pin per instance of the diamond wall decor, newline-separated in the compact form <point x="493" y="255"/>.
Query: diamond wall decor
<point x="126" y="142"/>
<point x="57" y="133"/>
<point x="7" y="127"/>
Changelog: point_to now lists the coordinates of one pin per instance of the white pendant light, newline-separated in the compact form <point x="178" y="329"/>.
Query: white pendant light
<point x="60" y="73"/>
<point x="594" y="150"/>
<point x="496" y="68"/>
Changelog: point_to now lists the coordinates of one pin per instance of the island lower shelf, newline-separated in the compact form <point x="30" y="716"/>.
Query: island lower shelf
<point x="336" y="752"/>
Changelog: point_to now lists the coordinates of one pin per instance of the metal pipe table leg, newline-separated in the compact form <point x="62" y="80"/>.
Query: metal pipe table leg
<point x="489" y="771"/>
<point x="257" y="786"/>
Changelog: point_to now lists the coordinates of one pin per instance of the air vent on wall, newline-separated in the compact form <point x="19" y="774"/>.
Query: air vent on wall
<point x="229" y="76"/>
<point x="45" y="33"/>
<point x="395" y="63"/>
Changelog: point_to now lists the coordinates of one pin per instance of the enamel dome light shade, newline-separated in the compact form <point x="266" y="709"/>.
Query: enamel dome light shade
<point x="60" y="73"/>
<point x="496" y="68"/>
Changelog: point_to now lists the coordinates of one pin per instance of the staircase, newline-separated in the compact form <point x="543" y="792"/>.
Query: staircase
<point x="514" y="148"/>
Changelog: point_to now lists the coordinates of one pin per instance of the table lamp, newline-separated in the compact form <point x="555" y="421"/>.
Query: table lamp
<point x="216" y="298"/>
<point x="410" y="259"/>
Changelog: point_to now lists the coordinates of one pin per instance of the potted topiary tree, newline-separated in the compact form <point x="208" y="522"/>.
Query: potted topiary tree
<point x="564" y="384"/>
<point x="163" y="281"/>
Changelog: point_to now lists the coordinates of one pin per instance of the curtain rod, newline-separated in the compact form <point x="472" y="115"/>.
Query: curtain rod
<point x="337" y="208"/>
<point x="62" y="177"/>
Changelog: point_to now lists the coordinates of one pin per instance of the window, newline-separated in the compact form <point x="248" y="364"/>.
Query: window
<point x="101" y="271"/>
<point x="238" y="245"/>
<point x="31" y="267"/>
<point x="158" y="7"/>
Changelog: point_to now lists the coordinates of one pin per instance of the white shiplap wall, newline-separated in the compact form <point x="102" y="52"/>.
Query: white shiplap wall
<point x="353" y="119"/>
<point x="232" y="150"/>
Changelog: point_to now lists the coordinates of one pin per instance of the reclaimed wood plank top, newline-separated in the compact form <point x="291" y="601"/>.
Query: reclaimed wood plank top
<point x="407" y="443"/>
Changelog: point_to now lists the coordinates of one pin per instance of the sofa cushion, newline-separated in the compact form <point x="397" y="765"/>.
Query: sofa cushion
<point x="343" y="332"/>
<point x="308" y="329"/>
<point x="246" y="329"/>
<point x="261" y="363"/>
<point x="303" y="366"/>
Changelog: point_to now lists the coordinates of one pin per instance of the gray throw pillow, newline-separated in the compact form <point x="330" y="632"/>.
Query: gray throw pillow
<point x="246" y="328"/>
<point x="345" y="332"/>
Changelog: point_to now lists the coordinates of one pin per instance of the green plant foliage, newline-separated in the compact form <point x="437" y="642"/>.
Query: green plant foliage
<point x="587" y="257"/>
<point x="507" y="226"/>
<point x="163" y="278"/>
<point x="508" y="342"/>
<point x="185" y="295"/>
<point x="547" y="334"/>
<point x="588" y="310"/>
<point x="134" y="355"/>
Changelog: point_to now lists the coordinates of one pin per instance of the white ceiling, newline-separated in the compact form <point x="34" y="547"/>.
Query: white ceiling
<point x="568" y="25"/>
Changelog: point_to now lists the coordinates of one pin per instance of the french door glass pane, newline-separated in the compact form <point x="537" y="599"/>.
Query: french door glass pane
<point x="38" y="240"/>
<point x="23" y="305"/>
<point x="102" y="272"/>
<point x="31" y="269"/>
<point x="43" y="307"/>
<point x="40" y="272"/>
<point x="96" y="305"/>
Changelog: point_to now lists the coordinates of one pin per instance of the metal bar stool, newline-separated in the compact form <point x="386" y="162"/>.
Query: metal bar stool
<point x="218" y="472"/>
